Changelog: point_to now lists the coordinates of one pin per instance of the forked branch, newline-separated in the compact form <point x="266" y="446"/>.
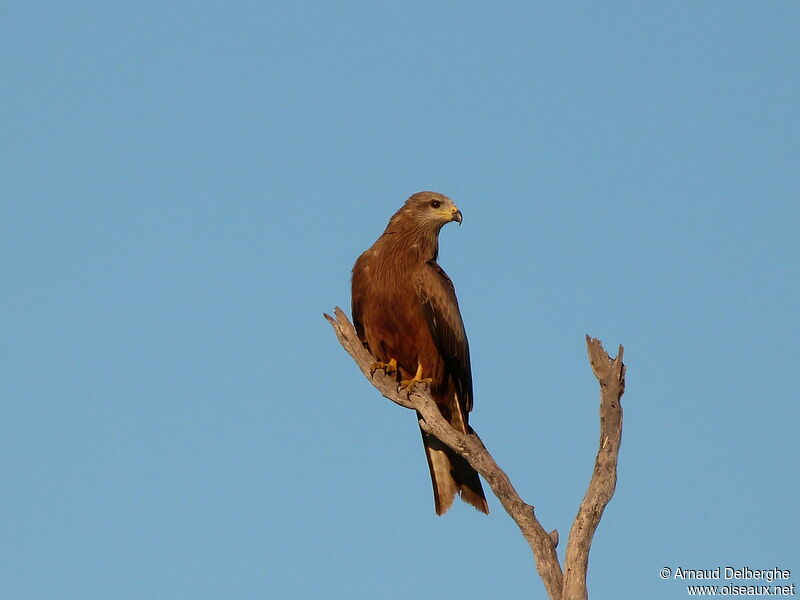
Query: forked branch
<point x="611" y="375"/>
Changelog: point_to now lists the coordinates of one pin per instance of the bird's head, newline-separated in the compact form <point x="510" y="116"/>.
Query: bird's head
<point x="431" y="210"/>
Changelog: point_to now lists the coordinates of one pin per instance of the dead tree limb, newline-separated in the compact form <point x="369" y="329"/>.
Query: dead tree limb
<point x="611" y="375"/>
<point x="472" y="449"/>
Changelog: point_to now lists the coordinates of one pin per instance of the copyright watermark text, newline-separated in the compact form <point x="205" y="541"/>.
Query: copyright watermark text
<point x="732" y="581"/>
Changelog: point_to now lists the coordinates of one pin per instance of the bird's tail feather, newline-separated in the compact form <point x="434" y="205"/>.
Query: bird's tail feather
<point x="451" y="475"/>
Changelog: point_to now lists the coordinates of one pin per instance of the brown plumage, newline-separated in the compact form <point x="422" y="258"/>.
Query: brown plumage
<point x="405" y="310"/>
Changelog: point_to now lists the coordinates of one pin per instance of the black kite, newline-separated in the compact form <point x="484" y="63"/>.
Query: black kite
<point x="406" y="313"/>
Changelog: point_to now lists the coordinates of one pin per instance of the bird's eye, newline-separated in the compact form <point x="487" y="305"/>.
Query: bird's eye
<point x="435" y="203"/>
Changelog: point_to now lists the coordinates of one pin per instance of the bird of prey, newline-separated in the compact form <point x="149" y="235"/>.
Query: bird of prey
<point x="406" y="313"/>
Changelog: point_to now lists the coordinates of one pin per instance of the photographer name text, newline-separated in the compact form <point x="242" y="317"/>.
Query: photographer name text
<point x="740" y="573"/>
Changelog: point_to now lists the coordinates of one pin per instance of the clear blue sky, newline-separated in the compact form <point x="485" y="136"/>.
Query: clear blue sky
<point x="185" y="187"/>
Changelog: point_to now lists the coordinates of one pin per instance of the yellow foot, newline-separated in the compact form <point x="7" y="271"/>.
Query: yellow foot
<point x="389" y="368"/>
<point x="408" y="384"/>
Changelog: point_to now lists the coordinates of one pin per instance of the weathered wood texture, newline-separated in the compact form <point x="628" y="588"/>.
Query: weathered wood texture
<point x="611" y="375"/>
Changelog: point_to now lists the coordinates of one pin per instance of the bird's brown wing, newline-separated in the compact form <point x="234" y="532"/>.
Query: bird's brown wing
<point x="438" y="298"/>
<point x="450" y="473"/>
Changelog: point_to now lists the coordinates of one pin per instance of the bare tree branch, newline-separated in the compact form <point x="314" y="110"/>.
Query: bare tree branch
<point x="468" y="446"/>
<point x="611" y="375"/>
<point x="472" y="449"/>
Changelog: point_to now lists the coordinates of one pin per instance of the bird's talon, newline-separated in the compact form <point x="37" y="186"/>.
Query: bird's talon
<point x="389" y="368"/>
<point x="408" y="384"/>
